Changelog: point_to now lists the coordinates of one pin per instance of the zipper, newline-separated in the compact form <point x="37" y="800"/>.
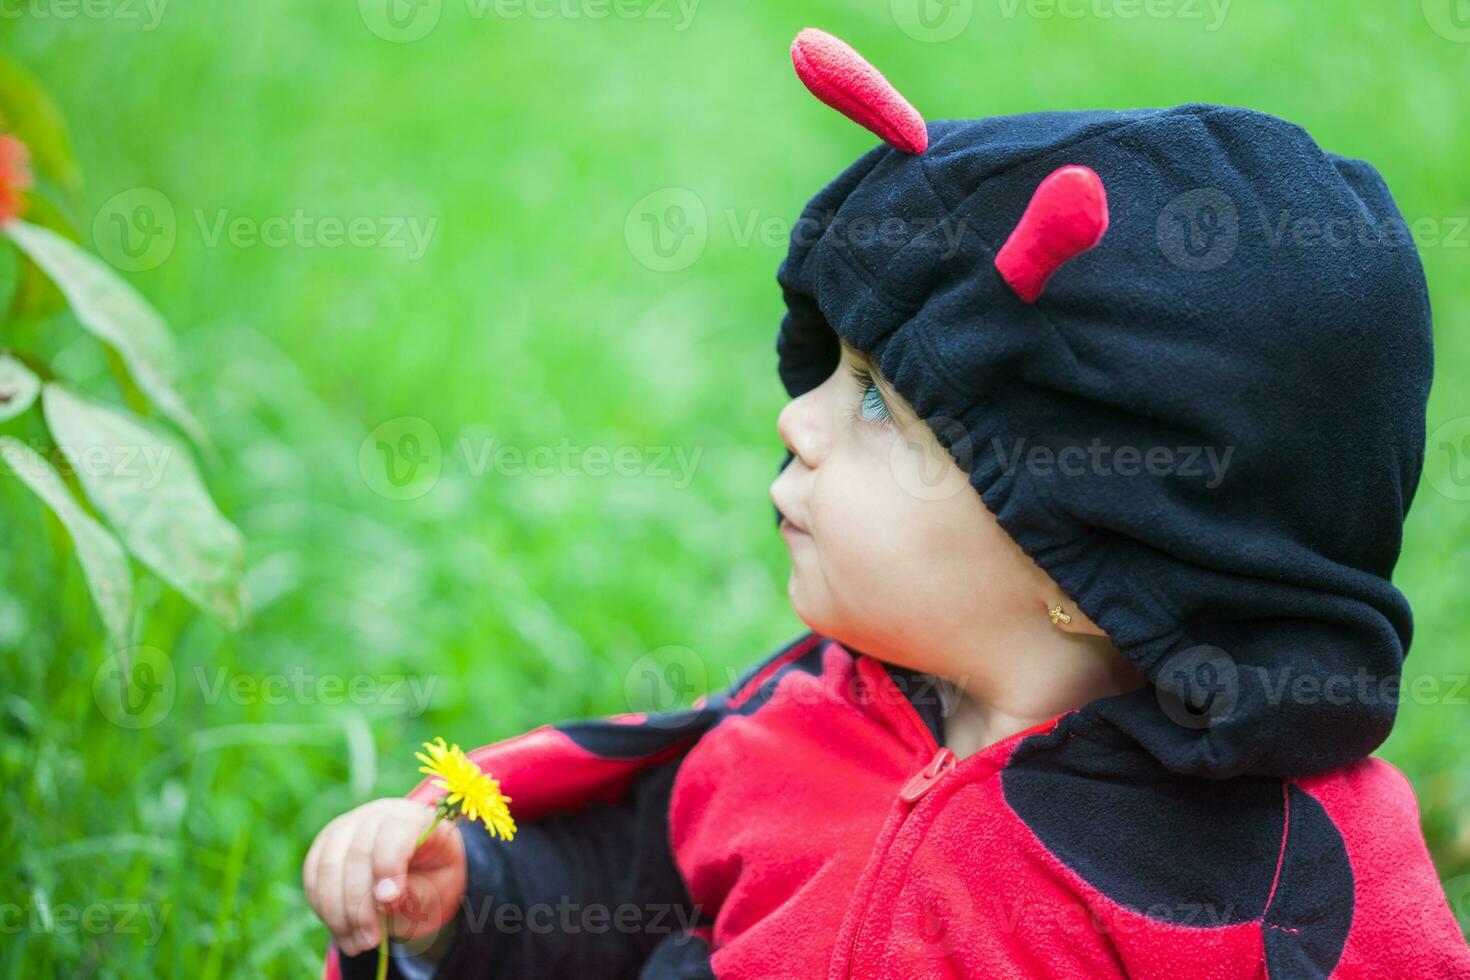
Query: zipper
<point x="941" y="763"/>
<point x="923" y="781"/>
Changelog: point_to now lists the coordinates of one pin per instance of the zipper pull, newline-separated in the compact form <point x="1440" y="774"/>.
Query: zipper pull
<point x="922" y="781"/>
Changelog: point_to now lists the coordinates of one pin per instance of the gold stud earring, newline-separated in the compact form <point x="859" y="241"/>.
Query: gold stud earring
<point x="1058" y="618"/>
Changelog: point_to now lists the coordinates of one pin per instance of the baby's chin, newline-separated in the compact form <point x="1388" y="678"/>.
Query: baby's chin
<point x="820" y="616"/>
<point x="814" y="611"/>
<point x="797" y="598"/>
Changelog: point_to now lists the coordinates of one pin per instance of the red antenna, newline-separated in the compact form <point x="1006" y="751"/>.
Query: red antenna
<point x="840" y="77"/>
<point x="1067" y="215"/>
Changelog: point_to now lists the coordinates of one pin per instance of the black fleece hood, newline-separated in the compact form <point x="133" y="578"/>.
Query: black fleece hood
<point x="1207" y="429"/>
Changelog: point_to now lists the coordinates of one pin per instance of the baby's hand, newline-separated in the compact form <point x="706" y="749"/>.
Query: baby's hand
<point x="364" y="863"/>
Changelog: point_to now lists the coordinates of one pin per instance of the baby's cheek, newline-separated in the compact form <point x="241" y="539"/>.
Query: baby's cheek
<point x="880" y="536"/>
<point x="858" y="497"/>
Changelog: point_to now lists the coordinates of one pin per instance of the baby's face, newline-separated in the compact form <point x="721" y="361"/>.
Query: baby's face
<point x="892" y="551"/>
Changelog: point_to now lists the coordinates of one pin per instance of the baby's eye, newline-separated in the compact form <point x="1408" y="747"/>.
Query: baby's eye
<point x="875" y="409"/>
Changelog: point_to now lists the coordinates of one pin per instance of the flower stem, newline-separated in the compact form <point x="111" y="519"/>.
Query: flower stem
<point x="438" y="816"/>
<point x="383" y="916"/>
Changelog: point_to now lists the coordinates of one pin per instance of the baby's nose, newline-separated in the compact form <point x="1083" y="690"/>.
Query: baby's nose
<point x="801" y="429"/>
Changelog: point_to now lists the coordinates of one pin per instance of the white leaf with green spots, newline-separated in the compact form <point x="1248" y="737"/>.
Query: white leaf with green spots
<point x="105" y="565"/>
<point x="113" y="311"/>
<point x="144" y="483"/>
<point x="18" y="387"/>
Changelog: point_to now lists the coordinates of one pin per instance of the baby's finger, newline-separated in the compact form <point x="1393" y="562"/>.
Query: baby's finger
<point x="357" y="883"/>
<point x="309" y="866"/>
<point x="330" y="870"/>
<point x="311" y="873"/>
<point x="393" y="850"/>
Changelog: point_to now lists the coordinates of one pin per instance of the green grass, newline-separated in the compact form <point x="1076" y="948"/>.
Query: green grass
<point x="529" y="320"/>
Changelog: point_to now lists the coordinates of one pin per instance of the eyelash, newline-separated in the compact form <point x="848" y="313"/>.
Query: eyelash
<point x="865" y="383"/>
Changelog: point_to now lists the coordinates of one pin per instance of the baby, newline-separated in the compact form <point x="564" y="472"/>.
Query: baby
<point x="1098" y="465"/>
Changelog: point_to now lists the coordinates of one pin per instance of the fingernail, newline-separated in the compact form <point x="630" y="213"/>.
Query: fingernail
<point x="386" y="890"/>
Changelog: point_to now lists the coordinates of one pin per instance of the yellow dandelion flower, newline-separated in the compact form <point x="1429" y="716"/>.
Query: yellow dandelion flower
<point x="467" y="788"/>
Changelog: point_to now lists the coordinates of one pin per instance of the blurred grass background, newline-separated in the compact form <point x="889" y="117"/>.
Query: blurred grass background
<point x="530" y="319"/>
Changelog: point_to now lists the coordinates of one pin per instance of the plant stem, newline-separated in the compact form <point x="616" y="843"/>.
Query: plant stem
<point x="383" y="917"/>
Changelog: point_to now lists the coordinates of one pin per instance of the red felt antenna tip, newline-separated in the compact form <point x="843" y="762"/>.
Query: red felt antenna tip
<point x="1067" y="215"/>
<point x="840" y="77"/>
